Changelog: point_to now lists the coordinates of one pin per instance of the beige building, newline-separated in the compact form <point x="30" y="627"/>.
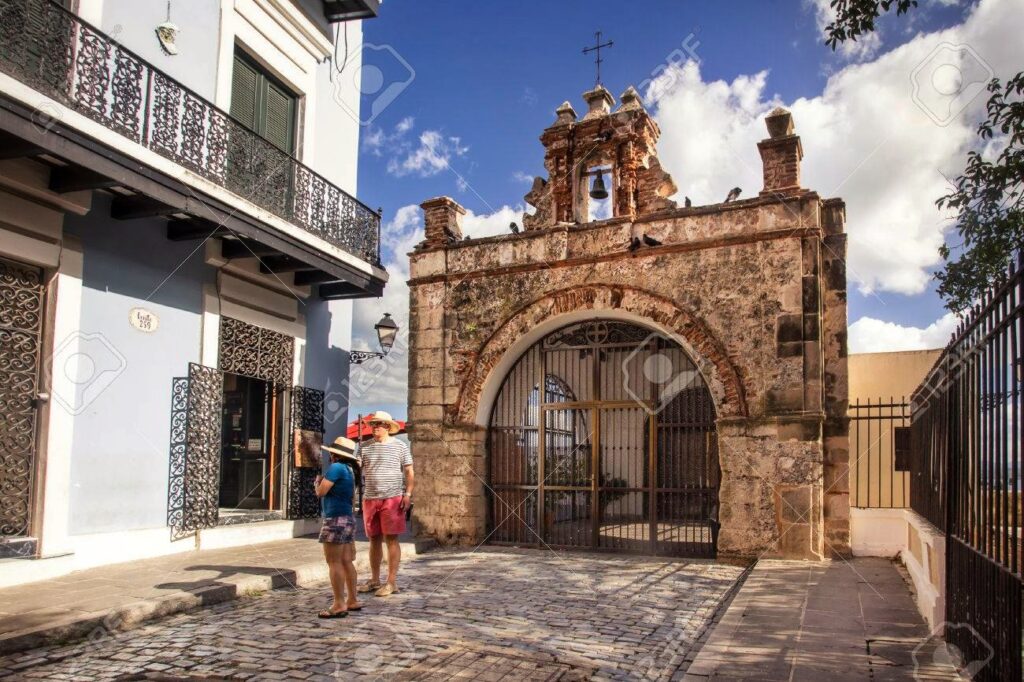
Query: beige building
<point x="627" y="374"/>
<point x="880" y="389"/>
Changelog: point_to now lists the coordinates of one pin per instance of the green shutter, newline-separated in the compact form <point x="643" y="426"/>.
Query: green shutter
<point x="244" y="85"/>
<point x="260" y="103"/>
<point x="279" y="118"/>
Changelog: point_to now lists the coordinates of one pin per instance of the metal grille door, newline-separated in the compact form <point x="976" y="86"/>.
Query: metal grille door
<point x="603" y="437"/>
<point x="21" y="315"/>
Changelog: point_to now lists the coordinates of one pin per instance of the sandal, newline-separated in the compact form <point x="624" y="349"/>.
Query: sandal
<point x="386" y="591"/>
<point x="368" y="586"/>
<point x="327" y="613"/>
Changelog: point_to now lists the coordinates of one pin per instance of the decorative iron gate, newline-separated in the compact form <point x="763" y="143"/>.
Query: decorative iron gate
<point x="21" y="315"/>
<point x="307" y="416"/>
<point x="617" y="452"/>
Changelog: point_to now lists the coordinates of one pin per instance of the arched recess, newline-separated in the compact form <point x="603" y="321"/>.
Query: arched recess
<point x="557" y="309"/>
<point x="603" y="436"/>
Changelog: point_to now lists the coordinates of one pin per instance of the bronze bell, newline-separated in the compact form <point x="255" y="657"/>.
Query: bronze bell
<point x="598" y="191"/>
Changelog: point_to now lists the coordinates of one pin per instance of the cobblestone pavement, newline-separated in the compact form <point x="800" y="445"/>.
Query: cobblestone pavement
<point x="488" y="614"/>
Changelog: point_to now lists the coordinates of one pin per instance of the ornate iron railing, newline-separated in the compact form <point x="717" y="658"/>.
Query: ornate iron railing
<point x="53" y="51"/>
<point x="966" y="466"/>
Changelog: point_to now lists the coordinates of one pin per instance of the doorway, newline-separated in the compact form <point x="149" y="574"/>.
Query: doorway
<point x="603" y="437"/>
<point x="250" y="470"/>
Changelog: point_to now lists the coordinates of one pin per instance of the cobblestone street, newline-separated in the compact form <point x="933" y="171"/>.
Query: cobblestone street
<point x="526" y="613"/>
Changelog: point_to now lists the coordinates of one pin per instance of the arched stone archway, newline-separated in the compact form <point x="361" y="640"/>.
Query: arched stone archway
<point x="754" y="291"/>
<point x="513" y="335"/>
<point x="603" y="436"/>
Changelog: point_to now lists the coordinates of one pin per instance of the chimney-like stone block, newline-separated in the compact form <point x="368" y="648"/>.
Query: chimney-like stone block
<point x="599" y="102"/>
<point x="442" y="218"/>
<point x="781" y="154"/>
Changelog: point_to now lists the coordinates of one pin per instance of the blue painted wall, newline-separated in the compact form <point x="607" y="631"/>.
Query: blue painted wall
<point x="329" y="335"/>
<point x="120" y="448"/>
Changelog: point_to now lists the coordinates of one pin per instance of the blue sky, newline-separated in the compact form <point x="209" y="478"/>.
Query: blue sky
<point x="487" y="76"/>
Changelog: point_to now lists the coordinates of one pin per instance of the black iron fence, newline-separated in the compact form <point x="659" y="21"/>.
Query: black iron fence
<point x="966" y="477"/>
<point x="880" y="453"/>
<point x="57" y="54"/>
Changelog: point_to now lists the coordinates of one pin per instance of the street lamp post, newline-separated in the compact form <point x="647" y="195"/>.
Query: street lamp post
<point x="387" y="331"/>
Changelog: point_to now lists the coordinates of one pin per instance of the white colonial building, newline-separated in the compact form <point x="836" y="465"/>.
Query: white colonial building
<point x="180" y="244"/>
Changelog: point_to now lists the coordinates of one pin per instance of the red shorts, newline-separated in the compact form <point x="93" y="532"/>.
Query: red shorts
<point x="383" y="517"/>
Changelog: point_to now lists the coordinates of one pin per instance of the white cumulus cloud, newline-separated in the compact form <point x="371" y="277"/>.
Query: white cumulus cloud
<point x="870" y="335"/>
<point x="864" y="138"/>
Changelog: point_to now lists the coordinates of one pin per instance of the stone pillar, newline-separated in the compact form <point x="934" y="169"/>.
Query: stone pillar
<point x="781" y="154"/>
<point x="836" y="483"/>
<point x="442" y="218"/>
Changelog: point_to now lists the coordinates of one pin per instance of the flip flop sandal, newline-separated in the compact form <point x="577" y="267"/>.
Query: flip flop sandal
<point x="355" y="608"/>
<point x="386" y="591"/>
<point x="329" y="614"/>
<point x="368" y="587"/>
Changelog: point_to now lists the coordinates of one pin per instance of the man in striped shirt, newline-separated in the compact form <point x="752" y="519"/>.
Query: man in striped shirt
<point x="387" y="494"/>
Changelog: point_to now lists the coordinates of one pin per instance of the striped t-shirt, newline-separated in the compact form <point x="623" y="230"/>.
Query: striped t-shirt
<point x="383" y="463"/>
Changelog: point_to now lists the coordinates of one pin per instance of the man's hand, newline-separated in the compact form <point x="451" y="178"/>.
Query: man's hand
<point x="404" y="504"/>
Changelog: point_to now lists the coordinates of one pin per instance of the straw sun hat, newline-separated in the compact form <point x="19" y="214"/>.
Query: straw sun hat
<point x="342" y="447"/>
<point x="382" y="416"/>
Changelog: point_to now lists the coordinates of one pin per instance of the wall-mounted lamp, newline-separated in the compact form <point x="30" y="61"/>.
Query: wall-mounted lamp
<point x="387" y="331"/>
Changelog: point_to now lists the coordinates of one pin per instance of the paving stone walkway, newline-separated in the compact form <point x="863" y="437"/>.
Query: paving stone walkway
<point x="120" y="596"/>
<point x="837" y="621"/>
<point x="489" y="614"/>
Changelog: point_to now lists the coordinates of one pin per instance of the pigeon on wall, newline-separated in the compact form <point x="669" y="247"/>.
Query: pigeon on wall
<point x="689" y="203"/>
<point x="651" y="241"/>
<point x="515" y="228"/>
<point x="733" y="194"/>
<point x="634" y="244"/>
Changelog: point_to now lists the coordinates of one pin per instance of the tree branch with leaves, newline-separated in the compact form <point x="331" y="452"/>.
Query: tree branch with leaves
<point x="988" y="197"/>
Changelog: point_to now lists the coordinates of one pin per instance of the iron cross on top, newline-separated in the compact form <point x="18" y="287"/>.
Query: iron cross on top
<point x="597" y="48"/>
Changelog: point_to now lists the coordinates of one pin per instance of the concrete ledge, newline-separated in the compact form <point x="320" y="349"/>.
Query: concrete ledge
<point x="292" y="563"/>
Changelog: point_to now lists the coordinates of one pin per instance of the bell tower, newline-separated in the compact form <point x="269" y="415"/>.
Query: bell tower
<point x="610" y="148"/>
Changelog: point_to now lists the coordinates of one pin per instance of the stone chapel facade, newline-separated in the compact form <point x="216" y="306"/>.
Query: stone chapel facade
<point x="750" y="292"/>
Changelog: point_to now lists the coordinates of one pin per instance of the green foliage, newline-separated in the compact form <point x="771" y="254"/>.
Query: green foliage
<point x="989" y="200"/>
<point x="988" y="195"/>
<point x="857" y="17"/>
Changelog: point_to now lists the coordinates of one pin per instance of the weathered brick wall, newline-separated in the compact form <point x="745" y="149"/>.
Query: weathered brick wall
<point x="756" y="291"/>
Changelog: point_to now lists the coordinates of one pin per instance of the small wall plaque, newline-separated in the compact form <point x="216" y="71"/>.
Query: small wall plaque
<point x="143" y="320"/>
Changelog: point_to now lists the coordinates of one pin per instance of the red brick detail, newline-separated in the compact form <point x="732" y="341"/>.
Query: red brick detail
<point x="442" y="221"/>
<point x="706" y="351"/>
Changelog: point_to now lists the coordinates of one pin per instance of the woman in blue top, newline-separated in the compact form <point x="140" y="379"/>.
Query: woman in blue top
<point x="336" y="488"/>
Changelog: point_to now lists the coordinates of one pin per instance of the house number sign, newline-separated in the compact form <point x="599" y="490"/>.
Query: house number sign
<point x="143" y="320"/>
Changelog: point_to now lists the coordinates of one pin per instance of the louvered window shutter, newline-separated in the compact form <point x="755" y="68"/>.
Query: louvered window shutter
<point x="280" y="117"/>
<point x="244" y="84"/>
<point x="261" y="104"/>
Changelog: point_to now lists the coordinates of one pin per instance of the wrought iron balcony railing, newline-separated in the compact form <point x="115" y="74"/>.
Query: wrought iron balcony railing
<point x="56" y="53"/>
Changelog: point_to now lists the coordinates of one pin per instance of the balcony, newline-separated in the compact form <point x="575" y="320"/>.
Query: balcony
<point x="53" y="52"/>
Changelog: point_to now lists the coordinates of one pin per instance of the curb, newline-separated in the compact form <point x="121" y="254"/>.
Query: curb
<point x="98" y="624"/>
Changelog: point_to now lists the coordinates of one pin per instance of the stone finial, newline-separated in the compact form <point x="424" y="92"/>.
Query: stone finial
<point x="781" y="155"/>
<point x="599" y="101"/>
<point x="780" y="123"/>
<point x="630" y="100"/>
<point x="566" y="114"/>
<point x="442" y="218"/>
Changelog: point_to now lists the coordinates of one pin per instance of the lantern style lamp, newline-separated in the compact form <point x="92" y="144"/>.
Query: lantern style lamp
<point x="387" y="331"/>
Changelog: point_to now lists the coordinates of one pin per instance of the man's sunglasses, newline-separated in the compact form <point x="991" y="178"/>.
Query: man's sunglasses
<point x="376" y="424"/>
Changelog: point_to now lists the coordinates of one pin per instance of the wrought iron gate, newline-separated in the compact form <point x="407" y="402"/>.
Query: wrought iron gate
<point x="21" y="315"/>
<point x="194" y="476"/>
<point x="617" y="452"/>
<point x="307" y="415"/>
